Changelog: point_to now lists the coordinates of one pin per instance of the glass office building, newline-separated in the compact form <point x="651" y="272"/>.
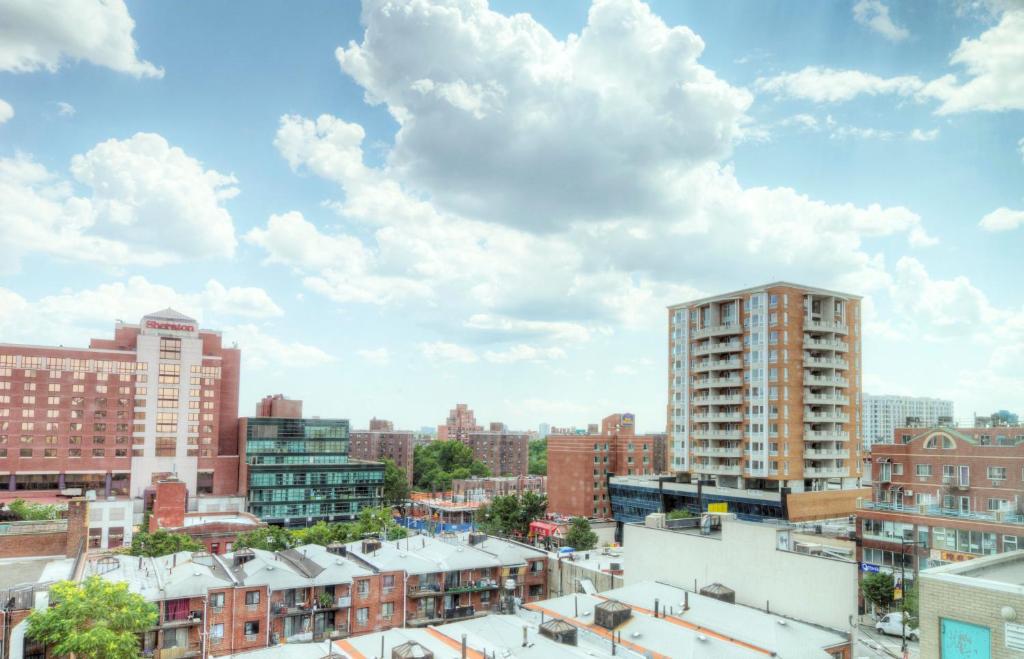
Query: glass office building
<point x="298" y="471"/>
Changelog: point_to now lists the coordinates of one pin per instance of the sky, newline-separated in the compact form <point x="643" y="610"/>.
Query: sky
<point x="396" y="206"/>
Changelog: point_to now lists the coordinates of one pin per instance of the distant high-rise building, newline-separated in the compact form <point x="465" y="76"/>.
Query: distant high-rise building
<point x="505" y="453"/>
<point x="461" y="421"/>
<point x="280" y="407"/>
<point x="764" y="389"/>
<point x="383" y="441"/>
<point x="543" y="430"/>
<point x="883" y="414"/>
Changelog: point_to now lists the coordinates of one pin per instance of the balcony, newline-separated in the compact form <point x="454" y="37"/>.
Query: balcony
<point x="193" y="618"/>
<point x="728" y="399"/>
<point x="425" y="590"/>
<point x="826" y="436"/>
<point x="826" y="472"/>
<point x="718" y="452"/>
<point x="423" y="618"/>
<point x="826" y="344"/>
<point x="825" y="326"/>
<point x="717" y="434"/>
<point x="726" y="470"/>
<point x="826" y="417"/>
<point x="717" y="417"/>
<point x="731" y="381"/>
<point x="826" y="362"/>
<point x="826" y="454"/>
<point x="826" y="381"/>
<point x="826" y="399"/>
<point x="932" y="510"/>
<point x="472" y="587"/>
<point x="280" y="609"/>
<point x="715" y="348"/>
<point x="459" y="612"/>
<point x="717" y="330"/>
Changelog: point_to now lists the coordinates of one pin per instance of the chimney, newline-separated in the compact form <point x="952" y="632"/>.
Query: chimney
<point x="78" y="526"/>
<point x="169" y="505"/>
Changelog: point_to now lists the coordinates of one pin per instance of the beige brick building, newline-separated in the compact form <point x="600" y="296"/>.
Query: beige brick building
<point x="765" y="388"/>
<point x="974" y="608"/>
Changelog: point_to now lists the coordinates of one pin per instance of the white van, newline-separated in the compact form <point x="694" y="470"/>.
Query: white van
<point x="892" y="624"/>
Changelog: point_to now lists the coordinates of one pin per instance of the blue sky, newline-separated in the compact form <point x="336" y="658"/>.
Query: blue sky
<point x="398" y="206"/>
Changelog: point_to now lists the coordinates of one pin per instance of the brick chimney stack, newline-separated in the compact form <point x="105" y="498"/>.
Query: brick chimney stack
<point x="169" y="505"/>
<point x="78" y="526"/>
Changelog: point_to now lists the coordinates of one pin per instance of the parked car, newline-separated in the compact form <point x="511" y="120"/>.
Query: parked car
<point x="892" y="625"/>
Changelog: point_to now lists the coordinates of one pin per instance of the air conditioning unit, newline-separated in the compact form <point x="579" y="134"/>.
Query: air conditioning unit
<point x="909" y="493"/>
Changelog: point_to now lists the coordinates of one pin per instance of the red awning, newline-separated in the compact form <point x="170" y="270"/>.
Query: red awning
<point x="543" y="528"/>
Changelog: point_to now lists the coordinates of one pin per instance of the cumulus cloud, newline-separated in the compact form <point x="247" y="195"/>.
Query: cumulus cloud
<point x="150" y="203"/>
<point x="65" y="109"/>
<point x="71" y="316"/>
<point x="44" y="34"/>
<point x="875" y="15"/>
<point x="261" y="350"/>
<point x="919" y="135"/>
<point x="524" y="353"/>
<point x="825" y="85"/>
<point x="376" y="356"/>
<point x="6" y="111"/>
<point x="442" y="351"/>
<point x="510" y="328"/>
<point x="1002" y="219"/>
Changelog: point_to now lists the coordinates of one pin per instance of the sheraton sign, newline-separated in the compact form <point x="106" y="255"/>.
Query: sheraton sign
<point x="177" y="327"/>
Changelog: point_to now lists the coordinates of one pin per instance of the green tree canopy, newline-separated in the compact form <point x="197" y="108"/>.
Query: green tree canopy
<point x="511" y="515"/>
<point x="877" y="588"/>
<point x="396" y="485"/>
<point x="436" y="464"/>
<point x="98" y="619"/>
<point x="371" y="521"/>
<point x="161" y="543"/>
<point x="580" y="537"/>
<point x="539" y="457"/>
<point x="271" y="538"/>
<point x="32" y="511"/>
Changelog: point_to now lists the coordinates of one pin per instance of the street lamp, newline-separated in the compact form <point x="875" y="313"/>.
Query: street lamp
<point x="904" y="543"/>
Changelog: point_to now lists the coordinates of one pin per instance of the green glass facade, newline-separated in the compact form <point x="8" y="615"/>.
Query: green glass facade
<point x="300" y="472"/>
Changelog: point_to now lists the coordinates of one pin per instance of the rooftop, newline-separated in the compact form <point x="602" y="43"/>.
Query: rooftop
<point x="1002" y="572"/>
<point x="424" y="555"/>
<point x="762" y="288"/>
<point x="28" y="571"/>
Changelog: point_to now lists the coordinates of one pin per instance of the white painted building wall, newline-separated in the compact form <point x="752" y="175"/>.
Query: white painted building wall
<point x="105" y="515"/>
<point x="747" y="558"/>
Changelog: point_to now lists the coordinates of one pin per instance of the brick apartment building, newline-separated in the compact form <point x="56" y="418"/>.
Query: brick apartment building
<point x="159" y="398"/>
<point x="764" y="389"/>
<point x="582" y="464"/>
<point x="461" y="421"/>
<point x="505" y="453"/>
<point x="943" y="495"/>
<point x="217" y="531"/>
<point x="383" y="441"/>
<point x="298" y="471"/>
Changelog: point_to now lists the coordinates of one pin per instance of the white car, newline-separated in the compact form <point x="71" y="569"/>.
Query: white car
<point x="892" y="624"/>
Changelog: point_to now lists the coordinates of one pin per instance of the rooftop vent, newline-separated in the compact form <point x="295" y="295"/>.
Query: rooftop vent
<point x="409" y="650"/>
<point x="559" y="631"/>
<point x="476" y="538"/>
<point x="719" y="592"/>
<point x="370" y="545"/>
<point x="610" y="614"/>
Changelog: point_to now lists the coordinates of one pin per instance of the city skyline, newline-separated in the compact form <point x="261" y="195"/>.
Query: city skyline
<point x="504" y="222"/>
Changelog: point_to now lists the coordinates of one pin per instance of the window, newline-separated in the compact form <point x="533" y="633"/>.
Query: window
<point x="166" y="447"/>
<point x="387" y="609"/>
<point x="252" y="598"/>
<point x="997" y="473"/>
<point x="924" y="470"/>
<point x="363" y="587"/>
<point x="389" y="582"/>
<point x="217" y="632"/>
<point x="170" y="348"/>
<point x="252" y="628"/>
<point x="997" y="504"/>
<point x="362" y="616"/>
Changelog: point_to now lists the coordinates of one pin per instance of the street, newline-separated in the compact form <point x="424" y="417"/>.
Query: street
<point x="872" y="644"/>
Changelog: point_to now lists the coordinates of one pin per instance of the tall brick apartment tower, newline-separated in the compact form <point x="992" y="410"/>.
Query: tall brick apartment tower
<point x="157" y="400"/>
<point x="765" y="388"/>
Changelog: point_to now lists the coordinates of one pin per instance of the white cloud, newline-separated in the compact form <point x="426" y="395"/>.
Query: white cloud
<point x="624" y="369"/>
<point x="857" y="132"/>
<point x="43" y="34"/>
<point x="875" y="15"/>
<point x="65" y="109"/>
<point x="376" y="356"/>
<point x="507" y="327"/>
<point x="261" y="350"/>
<point x="993" y="64"/>
<point x="6" y="111"/>
<point x="442" y="351"/>
<point x="806" y="121"/>
<point x="1020" y="146"/>
<point x="71" y="316"/>
<point x="919" y="135"/>
<point x="150" y="204"/>
<point x="824" y="85"/>
<point x="523" y="353"/>
<point x="1002" y="219"/>
<point x="941" y="309"/>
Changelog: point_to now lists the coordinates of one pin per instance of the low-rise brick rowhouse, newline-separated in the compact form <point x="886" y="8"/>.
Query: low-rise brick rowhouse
<point x="943" y="495"/>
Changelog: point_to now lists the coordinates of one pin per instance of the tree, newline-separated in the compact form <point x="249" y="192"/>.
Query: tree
<point x="271" y="538"/>
<point x="377" y="521"/>
<point x="877" y="588"/>
<point x="32" y="511"/>
<point x="98" y="619"/>
<point x="539" y="457"/>
<point x="436" y="464"/>
<point x="396" y="484"/>
<point x="911" y="599"/>
<point x="511" y="515"/>
<point x="532" y="506"/>
<point x="320" y="533"/>
<point x="580" y="537"/>
<point x="161" y="543"/>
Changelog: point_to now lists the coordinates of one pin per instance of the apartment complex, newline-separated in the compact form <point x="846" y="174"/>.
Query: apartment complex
<point x="160" y="398"/>
<point x="884" y="414"/>
<point x="505" y="453"/>
<point x="298" y="471"/>
<point x="453" y="578"/>
<point x="383" y="441"/>
<point x="582" y="464"/>
<point x="943" y="495"/>
<point x="460" y="422"/>
<point x="764" y="388"/>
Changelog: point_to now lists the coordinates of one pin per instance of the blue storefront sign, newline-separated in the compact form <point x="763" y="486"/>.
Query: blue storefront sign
<point x="868" y="567"/>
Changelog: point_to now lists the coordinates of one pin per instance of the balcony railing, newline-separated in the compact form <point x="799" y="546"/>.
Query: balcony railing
<point x="826" y="436"/>
<point x="932" y="510"/>
<point x="825" y="326"/>
<point x="718" y="452"/>
<point x="728" y="470"/>
<point x="712" y="348"/>
<point x="459" y="612"/>
<point x="716" y="434"/>
<point x="826" y="381"/>
<point x="728" y="399"/>
<point x="717" y="330"/>
<point x="482" y="584"/>
<point x="827" y="399"/>
<point x="826" y="344"/>
<point x="826" y="362"/>
<point x="826" y="417"/>
<point x="826" y="472"/>
<point x="717" y="417"/>
<point x="826" y="453"/>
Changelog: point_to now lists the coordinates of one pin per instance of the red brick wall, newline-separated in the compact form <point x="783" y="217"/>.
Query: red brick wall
<point x="33" y="544"/>
<point x="169" y="505"/>
<point x="373" y="600"/>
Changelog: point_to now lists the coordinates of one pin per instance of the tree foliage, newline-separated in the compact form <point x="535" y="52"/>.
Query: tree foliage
<point x="98" y="619"/>
<point x="271" y="538"/>
<point x="32" y="511"/>
<point x="371" y="521"/>
<point x="437" y="464"/>
<point x="580" y="536"/>
<point x="679" y="513"/>
<point x="511" y="515"/>
<point x="539" y="457"/>
<point x="161" y="543"/>
<point x="396" y="485"/>
<point x="877" y="588"/>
